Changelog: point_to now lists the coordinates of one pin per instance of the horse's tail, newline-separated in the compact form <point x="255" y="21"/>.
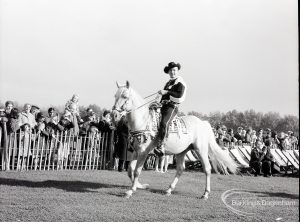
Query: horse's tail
<point x="220" y="159"/>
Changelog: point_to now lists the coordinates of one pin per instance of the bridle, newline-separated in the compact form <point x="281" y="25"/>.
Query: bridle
<point x="141" y="135"/>
<point x="123" y="110"/>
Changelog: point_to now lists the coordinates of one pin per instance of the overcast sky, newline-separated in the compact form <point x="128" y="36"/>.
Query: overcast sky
<point x="235" y="54"/>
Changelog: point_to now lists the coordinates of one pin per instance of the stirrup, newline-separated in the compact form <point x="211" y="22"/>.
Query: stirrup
<point x="159" y="150"/>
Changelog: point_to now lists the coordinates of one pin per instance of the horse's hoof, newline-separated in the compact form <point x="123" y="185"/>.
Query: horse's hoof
<point x="204" y="197"/>
<point x="168" y="194"/>
<point x="128" y="194"/>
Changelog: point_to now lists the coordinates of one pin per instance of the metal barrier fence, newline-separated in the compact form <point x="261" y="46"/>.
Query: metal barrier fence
<point x="28" y="151"/>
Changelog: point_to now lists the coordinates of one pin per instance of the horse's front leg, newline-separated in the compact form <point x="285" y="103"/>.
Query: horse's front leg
<point x="137" y="171"/>
<point x="130" y="172"/>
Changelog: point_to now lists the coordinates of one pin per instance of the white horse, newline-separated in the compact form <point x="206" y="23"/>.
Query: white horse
<point x="199" y="138"/>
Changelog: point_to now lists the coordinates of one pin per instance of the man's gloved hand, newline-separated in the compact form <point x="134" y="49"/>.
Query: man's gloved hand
<point x="163" y="92"/>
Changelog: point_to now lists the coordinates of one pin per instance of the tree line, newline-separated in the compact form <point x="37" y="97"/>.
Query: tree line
<point x="250" y="118"/>
<point x="231" y="119"/>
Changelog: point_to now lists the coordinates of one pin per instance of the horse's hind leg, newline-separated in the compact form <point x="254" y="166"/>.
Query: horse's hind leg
<point x="179" y="170"/>
<point x="203" y="155"/>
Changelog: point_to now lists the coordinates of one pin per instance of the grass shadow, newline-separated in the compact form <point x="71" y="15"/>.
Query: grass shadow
<point x="69" y="186"/>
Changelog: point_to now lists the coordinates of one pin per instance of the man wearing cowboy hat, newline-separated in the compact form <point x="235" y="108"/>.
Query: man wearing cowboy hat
<point x="172" y="95"/>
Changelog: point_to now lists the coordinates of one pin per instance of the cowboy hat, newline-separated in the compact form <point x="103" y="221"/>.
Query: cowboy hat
<point x="170" y="66"/>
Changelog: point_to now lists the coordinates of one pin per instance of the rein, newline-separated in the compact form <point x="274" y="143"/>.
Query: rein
<point x="141" y="105"/>
<point x="129" y="111"/>
<point x="151" y="95"/>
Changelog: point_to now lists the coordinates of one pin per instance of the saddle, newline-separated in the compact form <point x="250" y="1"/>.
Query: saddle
<point x="176" y="126"/>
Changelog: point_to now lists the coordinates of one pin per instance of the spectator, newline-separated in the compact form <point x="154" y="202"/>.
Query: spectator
<point x="73" y="106"/>
<point x="256" y="158"/>
<point x="268" y="141"/>
<point x="220" y="138"/>
<point x="51" y="114"/>
<point x="267" y="162"/>
<point x="292" y="140"/>
<point x="90" y="115"/>
<point x="52" y="122"/>
<point x="74" y="118"/>
<point x="238" y="134"/>
<point x="283" y="141"/>
<point x="34" y="110"/>
<point x="275" y="141"/>
<point x="24" y="150"/>
<point x="67" y="122"/>
<point x="88" y="121"/>
<point x="248" y="136"/>
<point x="253" y="138"/>
<point x="105" y="125"/>
<point x="243" y="135"/>
<point x="121" y="145"/>
<point x="229" y="137"/>
<point x="27" y="117"/>
<point x="9" y="105"/>
<point x="260" y="135"/>
<point x="41" y="125"/>
<point x="13" y="124"/>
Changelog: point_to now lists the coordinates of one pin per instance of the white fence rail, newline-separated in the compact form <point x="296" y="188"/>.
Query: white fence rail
<point x="28" y="151"/>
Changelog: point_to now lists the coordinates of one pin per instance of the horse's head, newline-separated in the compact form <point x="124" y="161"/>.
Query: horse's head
<point x="123" y="102"/>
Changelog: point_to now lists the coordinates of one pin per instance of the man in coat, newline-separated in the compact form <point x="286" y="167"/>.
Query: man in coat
<point x="172" y="95"/>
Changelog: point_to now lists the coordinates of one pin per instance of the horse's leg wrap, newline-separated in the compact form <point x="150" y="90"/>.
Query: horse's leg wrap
<point x="172" y="186"/>
<point x="170" y="189"/>
<point x="205" y="195"/>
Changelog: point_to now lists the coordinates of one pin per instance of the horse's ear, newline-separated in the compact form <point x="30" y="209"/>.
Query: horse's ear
<point x="118" y="85"/>
<point x="127" y="84"/>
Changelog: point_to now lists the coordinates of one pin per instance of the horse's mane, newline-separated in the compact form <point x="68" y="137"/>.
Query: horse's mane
<point x="136" y="97"/>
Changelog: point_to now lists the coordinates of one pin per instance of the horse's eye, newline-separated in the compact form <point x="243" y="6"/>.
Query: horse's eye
<point x="124" y="96"/>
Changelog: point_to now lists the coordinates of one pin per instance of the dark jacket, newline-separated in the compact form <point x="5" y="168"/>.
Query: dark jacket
<point x="256" y="156"/>
<point x="121" y="140"/>
<point x="267" y="155"/>
<point x="176" y="91"/>
<point x="12" y="125"/>
<point x="104" y="126"/>
<point x="238" y="136"/>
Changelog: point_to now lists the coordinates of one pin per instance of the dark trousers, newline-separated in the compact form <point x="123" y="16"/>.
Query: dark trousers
<point x="123" y="165"/>
<point x="267" y="167"/>
<point x="256" y="166"/>
<point x="168" y="112"/>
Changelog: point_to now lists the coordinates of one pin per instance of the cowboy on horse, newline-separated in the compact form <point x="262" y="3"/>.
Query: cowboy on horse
<point x="172" y="95"/>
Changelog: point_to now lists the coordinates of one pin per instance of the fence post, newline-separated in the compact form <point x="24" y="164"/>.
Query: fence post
<point x="5" y="156"/>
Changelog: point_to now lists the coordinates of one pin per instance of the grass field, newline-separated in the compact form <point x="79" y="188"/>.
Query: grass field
<point x="99" y="196"/>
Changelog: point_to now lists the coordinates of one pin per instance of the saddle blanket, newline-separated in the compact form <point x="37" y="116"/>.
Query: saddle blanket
<point x="176" y="126"/>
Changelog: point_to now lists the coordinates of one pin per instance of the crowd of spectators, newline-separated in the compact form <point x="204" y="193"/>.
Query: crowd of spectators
<point x="32" y="120"/>
<point x="228" y="138"/>
<point x="261" y="159"/>
<point x="47" y="125"/>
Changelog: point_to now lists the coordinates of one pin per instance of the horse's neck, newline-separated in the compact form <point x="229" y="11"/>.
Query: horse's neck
<point x="138" y="118"/>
